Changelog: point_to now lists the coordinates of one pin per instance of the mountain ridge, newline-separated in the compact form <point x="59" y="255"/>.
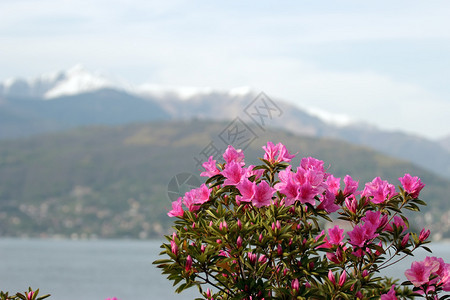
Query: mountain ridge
<point x="23" y="113"/>
<point x="113" y="181"/>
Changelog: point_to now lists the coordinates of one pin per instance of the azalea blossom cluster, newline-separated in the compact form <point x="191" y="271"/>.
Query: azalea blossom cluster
<point x="266" y="232"/>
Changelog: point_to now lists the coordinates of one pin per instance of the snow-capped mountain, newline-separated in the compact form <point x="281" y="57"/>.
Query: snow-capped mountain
<point x="75" y="80"/>
<point x="80" y="98"/>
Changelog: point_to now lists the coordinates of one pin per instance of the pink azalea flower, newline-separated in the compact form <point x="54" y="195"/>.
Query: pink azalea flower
<point x="263" y="194"/>
<point x="247" y="190"/>
<point x="279" y="150"/>
<point x="358" y="236"/>
<point x="445" y="278"/>
<point x="398" y="221"/>
<point x="333" y="184"/>
<point x="305" y="184"/>
<point x="389" y="295"/>
<point x="233" y="155"/>
<point x="313" y="177"/>
<point x="291" y="190"/>
<point x="362" y="233"/>
<point x="412" y="185"/>
<point x="336" y="235"/>
<point x="327" y="202"/>
<point x="270" y="151"/>
<point x="195" y="197"/>
<point x="379" y="190"/>
<point x="189" y="200"/>
<point x="285" y="176"/>
<point x="307" y="193"/>
<point x="311" y="163"/>
<point x="373" y="217"/>
<point x="350" y="185"/>
<point x="284" y="154"/>
<point x="177" y="209"/>
<point x="351" y="203"/>
<point x="202" y="194"/>
<point x="210" y="168"/>
<point x="419" y="273"/>
<point x="436" y="265"/>
<point x="234" y="173"/>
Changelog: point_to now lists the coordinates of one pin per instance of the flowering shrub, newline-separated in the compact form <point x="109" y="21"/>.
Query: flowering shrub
<point x="28" y="295"/>
<point x="266" y="232"/>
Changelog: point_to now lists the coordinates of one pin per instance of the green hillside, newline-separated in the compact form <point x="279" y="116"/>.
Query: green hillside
<point x="113" y="181"/>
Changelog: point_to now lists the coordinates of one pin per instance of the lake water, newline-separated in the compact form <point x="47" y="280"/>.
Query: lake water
<point x="96" y="270"/>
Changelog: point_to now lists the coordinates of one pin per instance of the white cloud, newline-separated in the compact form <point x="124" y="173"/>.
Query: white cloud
<point x="199" y="43"/>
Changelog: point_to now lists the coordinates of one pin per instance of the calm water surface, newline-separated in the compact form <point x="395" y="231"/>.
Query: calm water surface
<point x="96" y="270"/>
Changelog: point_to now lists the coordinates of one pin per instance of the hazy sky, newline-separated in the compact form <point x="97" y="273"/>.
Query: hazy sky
<point x="383" y="62"/>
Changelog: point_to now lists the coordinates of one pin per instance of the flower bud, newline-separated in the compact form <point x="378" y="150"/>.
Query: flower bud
<point x="30" y="295"/>
<point x="262" y="259"/>
<point x="188" y="263"/>
<point x="331" y="277"/>
<point x="278" y="225"/>
<point x="351" y="203"/>
<point x="342" y="278"/>
<point x="279" y="250"/>
<point x="208" y="293"/>
<point x="239" y="224"/>
<point x="424" y="234"/>
<point x="378" y="253"/>
<point x="174" y="247"/>
<point x="252" y="258"/>
<point x="295" y="285"/>
<point x="239" y="242"/>
<point x="405" y="240"/>
<point x="202" y="248"/>
<point x="260" y="238"/>
<point x="340" y="254"/>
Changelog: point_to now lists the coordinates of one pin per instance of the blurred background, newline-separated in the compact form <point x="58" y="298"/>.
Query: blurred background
<point x="108" y="108"/>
